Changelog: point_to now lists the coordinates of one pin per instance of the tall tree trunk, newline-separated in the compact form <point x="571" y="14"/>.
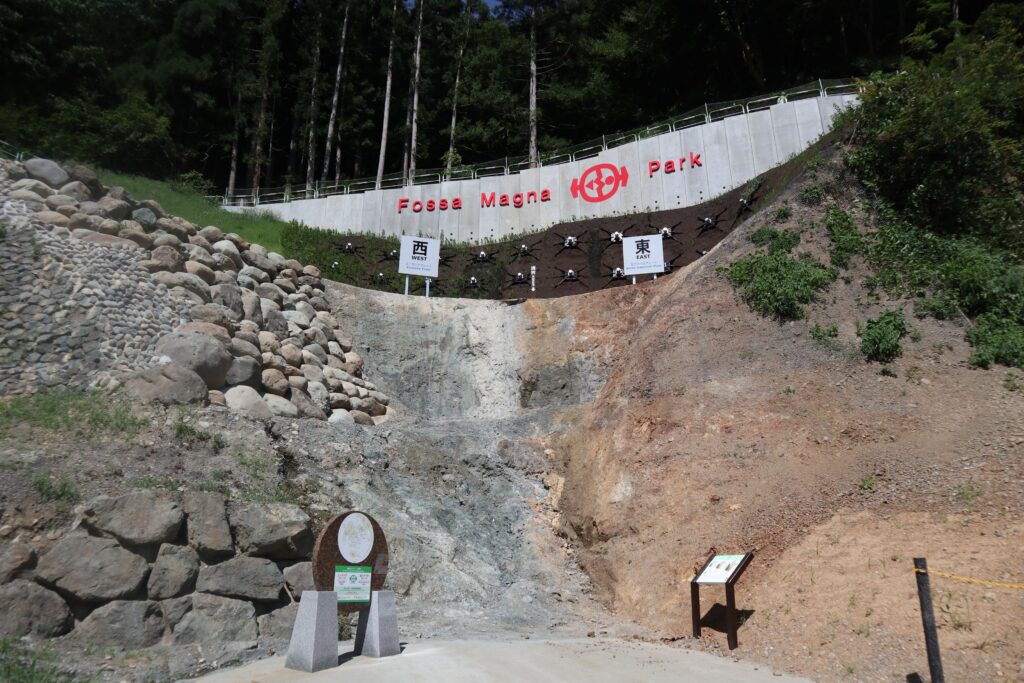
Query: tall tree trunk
<point x="233" y="173"/>
<point x="405" y="136"/>
<point x="534" y="157"/>
<point x="455" y="109"/>
<point x="415" y="93"/>
<point x="270" y="145"/>
<point x="311" y="147"/>
<point x="293" y="148"/>
<point x="329" y="140"/>
<point x="387" y="96"/>
<point x="337" y="159"/>
<point x="261" y="128"/>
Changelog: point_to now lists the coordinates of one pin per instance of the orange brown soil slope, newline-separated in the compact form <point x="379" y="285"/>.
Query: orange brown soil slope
<point x="718" y="428"/>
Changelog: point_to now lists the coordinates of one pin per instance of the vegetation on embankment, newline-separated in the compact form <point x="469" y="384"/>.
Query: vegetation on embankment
<point x="939" y="145"/>
<point x="185" y="197"/>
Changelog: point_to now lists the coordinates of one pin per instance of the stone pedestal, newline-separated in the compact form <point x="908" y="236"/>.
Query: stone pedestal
<point x="377" y="633"/>
<point x="314" y="643"/>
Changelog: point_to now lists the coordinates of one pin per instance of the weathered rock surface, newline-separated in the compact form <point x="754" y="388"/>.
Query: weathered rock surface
<point x="137" y="518"/>
<point x="168" y="384"/>
<point x="30" y="609"/>
<point x="92" y="569"/>
<point x="129" y="624"/>
<point x="249" y="578"/>
<point x="15" y="558"/>
<point x="247" y="400"/>
<point x="216" y="618"/>
<point x="279" y="623"/>
<point x="208" y="530"/>
<point x="279" y="531"/>
<point x="46" y="171"/>
<point x="299" y="577"/>
<point x="174" y="572"/>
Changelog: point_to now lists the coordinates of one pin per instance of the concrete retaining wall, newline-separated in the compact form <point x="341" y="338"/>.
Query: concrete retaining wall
<point x="715" y="158"/>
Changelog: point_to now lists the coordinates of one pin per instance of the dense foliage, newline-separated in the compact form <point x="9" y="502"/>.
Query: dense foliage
<point x="880" y="339"/>
<point x="165" y="87"/>
<point x="941" y="145"/>
<point x="775" y="284"/>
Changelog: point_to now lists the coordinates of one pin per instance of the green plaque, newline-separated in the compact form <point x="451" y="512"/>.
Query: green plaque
<point x="352" y="584"/>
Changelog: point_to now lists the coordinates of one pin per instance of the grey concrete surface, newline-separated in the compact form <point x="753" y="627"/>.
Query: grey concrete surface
<point x="537" y="661"/>
<point x="315" y="633"/>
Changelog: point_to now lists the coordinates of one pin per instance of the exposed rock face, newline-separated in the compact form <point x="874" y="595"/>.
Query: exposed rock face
<point x="174" y="572"/>
<point x="168" y="384"/>
<point x="216" y="618"/>
<point x="249" y="578"/>
<point x="208" y="530"/>
<point x="93" y="570"/>
<point x="275" y="530"/>
<point x="30" y="609"/>
<point x="15" y="558"/>
<point x="278" y="624"/>
<point x="299" y="577"/>
<point x="137" y="518"/>
<point x="130" y="624"/>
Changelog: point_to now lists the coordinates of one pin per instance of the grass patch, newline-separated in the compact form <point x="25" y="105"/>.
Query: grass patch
<point x="867" y="483"/>
<point x="776" y="240"/>
<point x="83" y="413"/>
<point x="63" y="490"/>
<point x="783" y="213"/>
<point x="1013" y="382"/>
<point x="880" y="339"/>
<point x="846" y="239"/>
<point x="777" y="285"/>
<point x="965" y="493"/>
<point x="19" y="664"/>
<point x="190" y="436"/>
<point x="178" y="199"/>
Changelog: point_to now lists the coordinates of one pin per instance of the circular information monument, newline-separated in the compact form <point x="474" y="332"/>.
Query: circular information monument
<point x="351" y="559"/>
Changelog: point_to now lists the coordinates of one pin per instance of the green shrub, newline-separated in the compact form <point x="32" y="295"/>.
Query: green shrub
<point x="997" y="339"/>
<point x="18" y="664"/>
<point x="941" y="139"/>
<point x="880" y="339"/>
<point x="846" y="239"/>
<point x="777" y="285"/>
<point x="783" y="213"/>
<point x="819" y="333"/>
<point x="190" y="436"/>
<point x="194" y="182"/>
<point x="776" y="240"/>
<point x="812" y="195"/>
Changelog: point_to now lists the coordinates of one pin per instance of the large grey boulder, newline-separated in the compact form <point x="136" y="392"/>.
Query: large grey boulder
<point x="278" y="624"/>
<point x="144" y="217"/>
<point x="208" y="530"/>
<point x="200" y="353"/>
<point x="306" y="406"/>
<point x="279" y="531"/>
<point x="92" y="569"/>
<point x="244" y="370"/>
<point x="174" y="572"/>
<point x="14" y="559"/>
<point x="118" y="209"/>
<point x="47" y="171"/>
<point x="281" y="406"/>
<point x="245" y="399"/>
<point x="252" y="258"/>
<point x="216" y="314"/>
<point x="216" y="618"/>
<point x="87" y="177"/>
<point x="138" y="518"/>
<point x="228" y="248"/>
<point x="36" y="187"/>
<point x="30" y="609"/>
<point x="248" y="578"/>
<point x="77" y="190"/>
<point x="167" y="384"/>
<point x="129" y="624"/>
<point x="168" y="258"/>
<point x="229" y="296"/>
<point x="275" y="382"/>
<point x="299" y="577"/>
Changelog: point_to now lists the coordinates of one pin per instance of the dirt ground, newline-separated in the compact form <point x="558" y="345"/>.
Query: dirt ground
<point x="720" y="429"/>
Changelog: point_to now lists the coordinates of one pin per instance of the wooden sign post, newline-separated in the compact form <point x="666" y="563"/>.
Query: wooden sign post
<point x="725" y="570"/>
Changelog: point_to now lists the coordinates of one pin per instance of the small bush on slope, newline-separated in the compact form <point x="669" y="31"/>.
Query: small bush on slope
<point x="776" y="284"/>
<point x="880" y="340"/>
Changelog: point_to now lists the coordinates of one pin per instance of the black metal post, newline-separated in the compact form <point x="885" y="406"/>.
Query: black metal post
<point x="695" y="606"/>
<point x="931" y="637"/>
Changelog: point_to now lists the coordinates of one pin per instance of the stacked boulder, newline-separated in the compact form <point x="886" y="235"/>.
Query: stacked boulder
<point x="258" y="336"/>
<point x="143" y="569"/>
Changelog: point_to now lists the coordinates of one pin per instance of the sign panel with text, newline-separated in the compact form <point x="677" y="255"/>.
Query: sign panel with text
<point x="642" y="255"/>
<point x="419" y="256"/>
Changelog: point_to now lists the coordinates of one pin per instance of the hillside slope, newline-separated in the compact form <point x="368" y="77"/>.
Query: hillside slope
<point x="719" y="428"/>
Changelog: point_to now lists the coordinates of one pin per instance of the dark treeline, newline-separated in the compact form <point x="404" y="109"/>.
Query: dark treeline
<point x="265" y="92"/>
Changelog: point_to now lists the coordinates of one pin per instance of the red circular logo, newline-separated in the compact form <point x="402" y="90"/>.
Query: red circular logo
<point x="599" y="182"/>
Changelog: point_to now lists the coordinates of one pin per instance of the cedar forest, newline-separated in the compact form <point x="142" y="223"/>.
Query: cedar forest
<point x="238" y="93"/>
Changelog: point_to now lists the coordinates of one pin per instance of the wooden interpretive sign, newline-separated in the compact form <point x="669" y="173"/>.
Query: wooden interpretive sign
<point x="350" y="558"/>
<point x="726" y="570"/>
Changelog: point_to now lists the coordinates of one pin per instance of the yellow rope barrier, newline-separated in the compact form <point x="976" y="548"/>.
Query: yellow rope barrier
<point x="967" y="579"/>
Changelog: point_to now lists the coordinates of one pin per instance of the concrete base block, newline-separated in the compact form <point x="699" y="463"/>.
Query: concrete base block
<point x="377" y="633"/>
<point x="314" y="643"/>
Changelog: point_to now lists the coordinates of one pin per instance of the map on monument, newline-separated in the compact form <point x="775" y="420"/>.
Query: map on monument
<point x="352" y="584"/>
<point x="355" y="538"/>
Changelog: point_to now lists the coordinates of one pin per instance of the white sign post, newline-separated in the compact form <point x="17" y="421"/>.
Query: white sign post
<point x="418" y="256"/>
<point x="643" y="254"/>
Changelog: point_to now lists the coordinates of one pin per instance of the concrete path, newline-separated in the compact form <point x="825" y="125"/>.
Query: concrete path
<point x="536" y="661"/>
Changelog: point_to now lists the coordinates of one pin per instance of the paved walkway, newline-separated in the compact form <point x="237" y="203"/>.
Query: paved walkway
<point x="536" y="661"/>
